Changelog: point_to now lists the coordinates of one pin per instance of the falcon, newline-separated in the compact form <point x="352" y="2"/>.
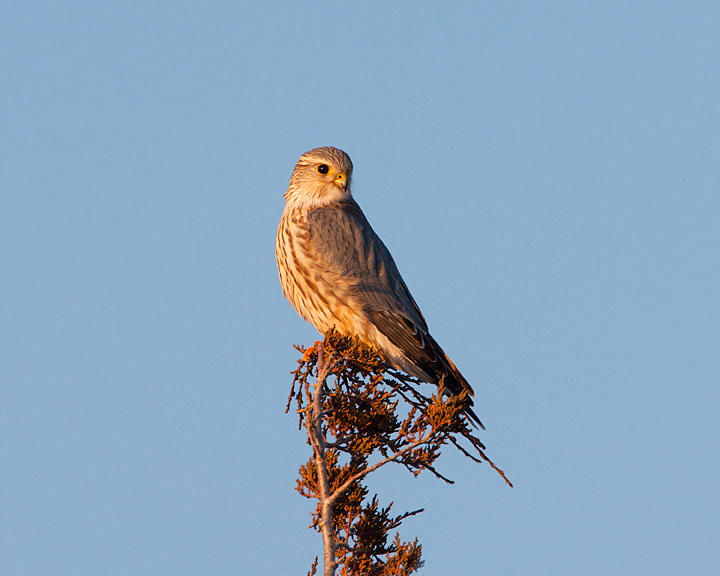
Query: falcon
<point x="337" y="273"/>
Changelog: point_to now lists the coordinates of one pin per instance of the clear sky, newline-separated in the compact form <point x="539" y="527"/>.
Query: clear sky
<point x="547" y="177"/>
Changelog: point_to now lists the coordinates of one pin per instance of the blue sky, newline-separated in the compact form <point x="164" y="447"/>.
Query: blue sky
<point x="547" y="177"/>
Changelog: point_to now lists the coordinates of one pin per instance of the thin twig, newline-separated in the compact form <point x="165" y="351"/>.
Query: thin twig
<point x="360" y="475"/>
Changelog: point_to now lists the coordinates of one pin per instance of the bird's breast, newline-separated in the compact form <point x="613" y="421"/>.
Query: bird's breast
<point x="319" y="293"/>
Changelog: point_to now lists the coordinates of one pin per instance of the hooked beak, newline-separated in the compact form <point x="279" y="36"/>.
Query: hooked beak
<point x="341" y="181"/>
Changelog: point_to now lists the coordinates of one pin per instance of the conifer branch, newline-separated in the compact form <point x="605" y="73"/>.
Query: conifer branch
<point x="367" y="411"/>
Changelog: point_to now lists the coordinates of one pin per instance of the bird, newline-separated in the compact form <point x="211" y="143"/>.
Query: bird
<point x="338" y="274"/>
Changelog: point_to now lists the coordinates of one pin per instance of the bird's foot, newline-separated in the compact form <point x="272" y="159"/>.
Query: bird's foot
<point x="312" y="350"/>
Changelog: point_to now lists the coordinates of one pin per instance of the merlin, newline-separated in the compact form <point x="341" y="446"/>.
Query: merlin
<point x="337" y="273"/>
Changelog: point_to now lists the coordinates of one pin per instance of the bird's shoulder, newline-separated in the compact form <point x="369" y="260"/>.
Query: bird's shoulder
<point x="345" y="210"/>
<point x="344" y="238"/>
<point x="341" y="225"/>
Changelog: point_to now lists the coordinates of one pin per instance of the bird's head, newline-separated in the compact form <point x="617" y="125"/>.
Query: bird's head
<point x="321" y="176"/>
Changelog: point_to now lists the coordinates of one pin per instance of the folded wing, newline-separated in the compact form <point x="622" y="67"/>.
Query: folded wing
<point x="341" y="235"/>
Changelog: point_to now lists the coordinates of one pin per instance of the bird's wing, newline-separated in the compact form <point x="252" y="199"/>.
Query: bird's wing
<point x="342" y="238"/>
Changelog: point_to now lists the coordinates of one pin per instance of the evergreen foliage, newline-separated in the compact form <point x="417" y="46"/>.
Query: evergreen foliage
<point x="360" y="415"/>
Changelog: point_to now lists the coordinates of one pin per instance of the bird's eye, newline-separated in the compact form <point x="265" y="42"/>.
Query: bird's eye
<point x="323" y="168"/>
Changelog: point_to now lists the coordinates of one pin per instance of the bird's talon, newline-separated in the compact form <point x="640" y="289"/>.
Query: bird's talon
<point x="308" y="354"/>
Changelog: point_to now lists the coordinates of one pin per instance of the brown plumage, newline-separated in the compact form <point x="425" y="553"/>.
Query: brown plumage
<point x="337" y="273"/>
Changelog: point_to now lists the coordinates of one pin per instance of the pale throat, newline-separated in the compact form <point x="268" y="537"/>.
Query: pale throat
<point x="322" y="195"/>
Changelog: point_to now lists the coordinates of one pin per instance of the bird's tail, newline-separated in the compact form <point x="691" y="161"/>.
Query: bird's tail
<point x="473" y="417"/>
<point x="453" y="381"/>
